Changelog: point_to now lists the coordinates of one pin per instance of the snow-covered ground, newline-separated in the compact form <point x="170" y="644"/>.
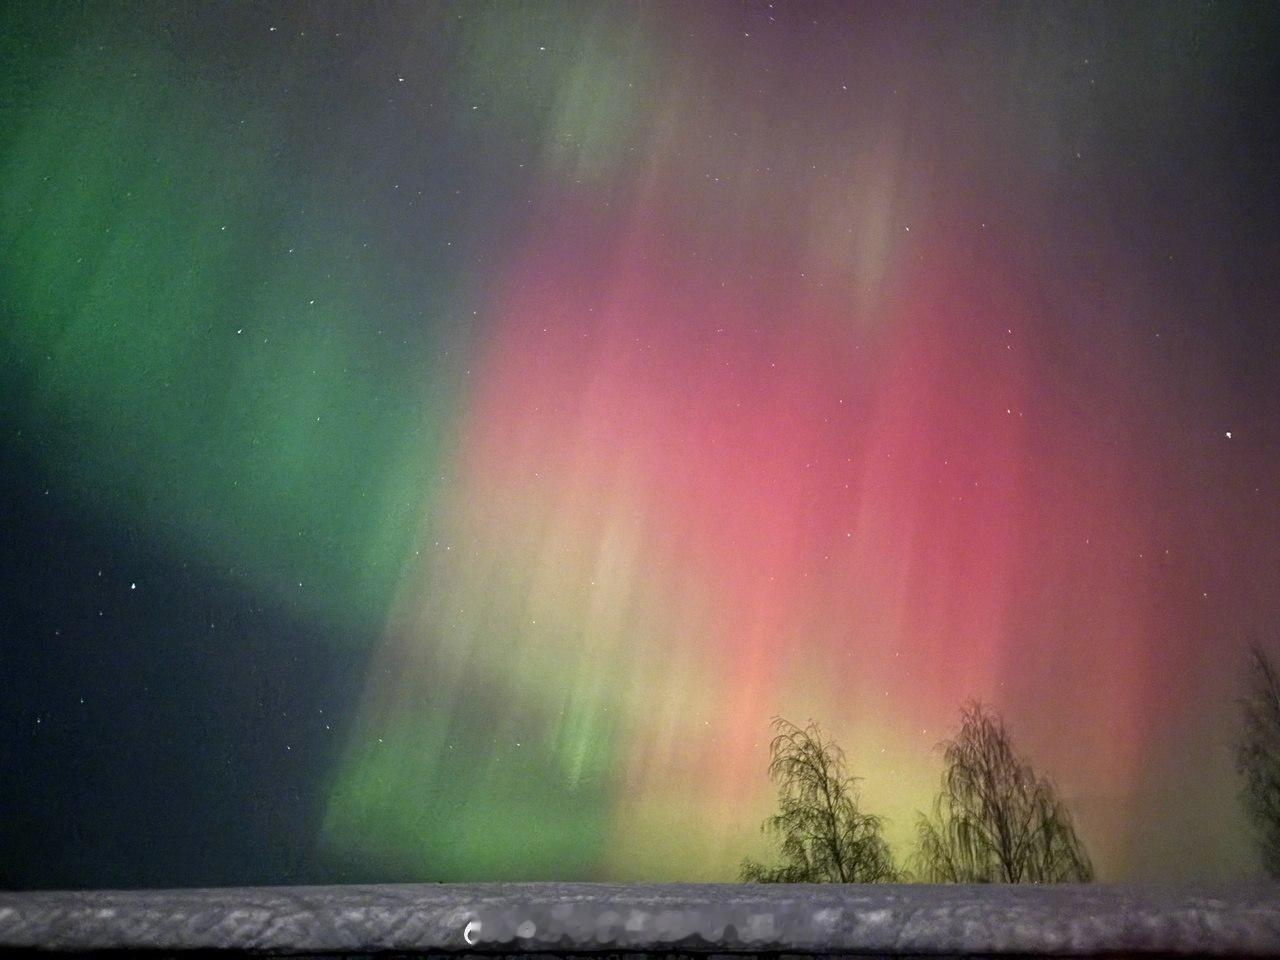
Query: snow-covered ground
<point x="551" y="917"/>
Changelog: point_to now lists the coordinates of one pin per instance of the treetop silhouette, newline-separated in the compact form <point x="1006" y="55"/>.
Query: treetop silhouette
<point x="824" y="835"/>
<point x="994" y="819"/>
<point x="1258" y="756"/>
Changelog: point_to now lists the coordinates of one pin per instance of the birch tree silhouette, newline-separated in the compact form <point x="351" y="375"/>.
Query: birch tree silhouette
<point x="824" y="836"/>
<point x="995" y="820"/>
<point x="1258" y="756"/>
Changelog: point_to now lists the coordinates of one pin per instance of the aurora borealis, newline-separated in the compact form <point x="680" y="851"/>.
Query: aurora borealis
<point x="438" y="437"/>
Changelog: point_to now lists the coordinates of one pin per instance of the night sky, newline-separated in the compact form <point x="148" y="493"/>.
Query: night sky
<point x="436" y="438"/>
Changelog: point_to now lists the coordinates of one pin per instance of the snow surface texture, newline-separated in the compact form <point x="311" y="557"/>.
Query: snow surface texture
<point x="884" y="920"/>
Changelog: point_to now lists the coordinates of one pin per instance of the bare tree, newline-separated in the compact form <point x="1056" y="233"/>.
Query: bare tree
<point x="825" y="837"/>
<point x="994" y="820"/>
<point x="1258" y="755"/>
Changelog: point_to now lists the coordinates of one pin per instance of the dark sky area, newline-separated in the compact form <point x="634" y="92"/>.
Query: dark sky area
<point x="436" y="438"/>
